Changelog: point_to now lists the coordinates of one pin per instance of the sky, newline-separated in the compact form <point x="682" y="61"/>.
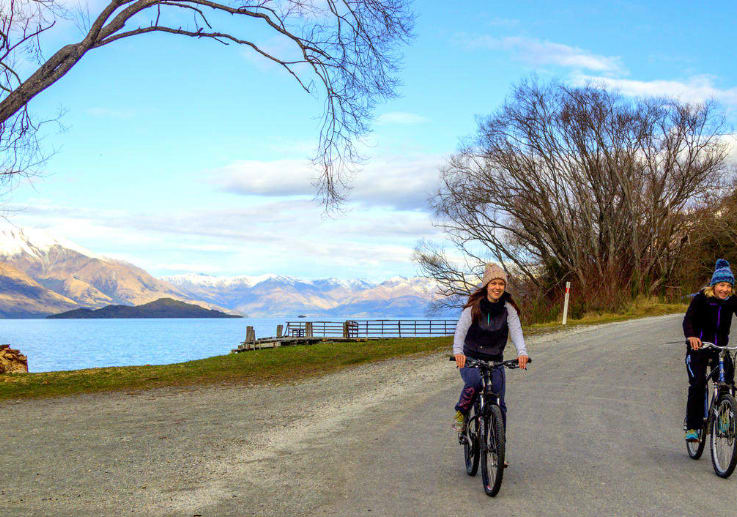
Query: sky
<point x="186" y="156"/>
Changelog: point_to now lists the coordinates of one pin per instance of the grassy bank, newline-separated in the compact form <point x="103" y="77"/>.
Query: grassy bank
<point x="275" y="365"/>
<point x="262" y="366"/>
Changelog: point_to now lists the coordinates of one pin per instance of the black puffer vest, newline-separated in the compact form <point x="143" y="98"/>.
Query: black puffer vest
<point x="487" y="337"/>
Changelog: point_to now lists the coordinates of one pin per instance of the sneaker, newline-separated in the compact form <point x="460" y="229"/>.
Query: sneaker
<point x="692" y="435"/>
<point x="459" y="422"/>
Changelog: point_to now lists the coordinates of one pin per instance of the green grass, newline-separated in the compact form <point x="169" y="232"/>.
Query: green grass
<point x="641" y="307"/>
<point x="283" y="364"/>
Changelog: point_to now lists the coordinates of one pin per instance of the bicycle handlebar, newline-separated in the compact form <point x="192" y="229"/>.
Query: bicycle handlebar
<point x="476" y="363"/>
<point x="707" y="344"/>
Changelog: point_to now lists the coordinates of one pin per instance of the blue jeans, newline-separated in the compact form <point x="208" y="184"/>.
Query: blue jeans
<point x="473" y="384"/>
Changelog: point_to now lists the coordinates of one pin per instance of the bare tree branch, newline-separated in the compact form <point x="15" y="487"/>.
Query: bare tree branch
<point x="344" y="50"/>
<point x="580" y="184"/>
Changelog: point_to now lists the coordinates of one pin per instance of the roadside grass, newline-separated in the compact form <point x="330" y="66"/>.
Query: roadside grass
<point x="285" y="364"/>
<point x="641" y="307"/>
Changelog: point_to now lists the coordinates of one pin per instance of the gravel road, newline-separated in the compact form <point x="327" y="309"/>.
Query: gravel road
<point x="594" y="428"/>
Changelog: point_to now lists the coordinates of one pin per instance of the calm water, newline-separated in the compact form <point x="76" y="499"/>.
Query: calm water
<point x="52" y="345"/>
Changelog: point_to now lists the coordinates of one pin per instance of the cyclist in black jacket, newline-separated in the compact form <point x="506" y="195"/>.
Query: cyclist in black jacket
<point x="708" y="318"/>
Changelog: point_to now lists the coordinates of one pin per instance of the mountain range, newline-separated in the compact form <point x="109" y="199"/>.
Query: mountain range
<point x="41" y="275"/>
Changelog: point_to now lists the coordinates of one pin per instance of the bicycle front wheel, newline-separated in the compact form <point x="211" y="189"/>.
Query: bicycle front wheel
<point x="492" y="451"/>
<point x="695" y="449"/>
<point x="471" y="442"/>
<point x="723" y="436"/>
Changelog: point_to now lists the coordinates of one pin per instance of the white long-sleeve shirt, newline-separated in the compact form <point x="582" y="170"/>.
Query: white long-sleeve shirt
<point x="515" y="330"/>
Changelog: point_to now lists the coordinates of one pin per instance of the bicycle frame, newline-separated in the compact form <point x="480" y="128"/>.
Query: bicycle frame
<point x="487" y="397"/>
<point x="718" y="378"/>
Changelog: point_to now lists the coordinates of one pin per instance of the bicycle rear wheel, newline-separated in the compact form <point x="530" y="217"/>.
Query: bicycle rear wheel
<point x="492" y="451"/>
<point x="471" y="442"/>
<point x="724" y="436"/>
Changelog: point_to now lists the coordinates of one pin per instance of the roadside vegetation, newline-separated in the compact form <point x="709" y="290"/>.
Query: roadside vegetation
<point x="279" y="365"/>
<point x="622" y="197"/>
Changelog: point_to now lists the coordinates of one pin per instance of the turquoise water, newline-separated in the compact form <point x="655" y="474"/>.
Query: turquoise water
<point x="53" y="345"/>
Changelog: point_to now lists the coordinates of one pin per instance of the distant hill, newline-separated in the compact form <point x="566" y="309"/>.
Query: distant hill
<point x="274" y="296"/>
<point x="161" y="308"/>
<point x="42" y="275"/>
<point x="22" y="297"/>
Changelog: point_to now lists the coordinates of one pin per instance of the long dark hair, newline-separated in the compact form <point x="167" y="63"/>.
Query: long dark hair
<point x="474" y="301"/>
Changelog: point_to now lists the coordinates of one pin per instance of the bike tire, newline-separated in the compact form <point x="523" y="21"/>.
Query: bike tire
<point x="724" y="436"/>
<point x="492" y="451"/>
<point x="471" y="443"/>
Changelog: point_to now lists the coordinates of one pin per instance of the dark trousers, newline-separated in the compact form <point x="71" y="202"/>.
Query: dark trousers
<point x="473" y="385"/>
<point x="696" y="365"/>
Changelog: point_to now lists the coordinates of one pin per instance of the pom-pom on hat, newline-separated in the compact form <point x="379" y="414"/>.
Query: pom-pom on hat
<point x="492" y="271"/>
<point x="722" y="273"/>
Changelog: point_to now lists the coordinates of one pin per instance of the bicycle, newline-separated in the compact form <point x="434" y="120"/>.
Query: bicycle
<point x="484" y="439"/>
<point x="719" y="420"/>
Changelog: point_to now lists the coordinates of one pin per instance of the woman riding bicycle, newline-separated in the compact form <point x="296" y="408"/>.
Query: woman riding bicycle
<point x="488" y="318"/>
<point x="708" y="318"/>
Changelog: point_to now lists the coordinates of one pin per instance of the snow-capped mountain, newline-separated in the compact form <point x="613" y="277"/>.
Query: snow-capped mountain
<point x="79" y="277"/>
<point x="274" y="295"/>
<point x="41" y="274"/>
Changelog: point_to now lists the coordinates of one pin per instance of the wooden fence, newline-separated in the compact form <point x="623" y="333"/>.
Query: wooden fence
<point x="370" y="328"/>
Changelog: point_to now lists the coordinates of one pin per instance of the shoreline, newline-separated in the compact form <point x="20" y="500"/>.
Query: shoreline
<point x="258" y="367"/>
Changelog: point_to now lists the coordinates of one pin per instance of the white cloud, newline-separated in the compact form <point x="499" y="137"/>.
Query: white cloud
<point x="400" y="118"/>
<point x="261" y="237"/>
<point x="394" y="181"/>
<point x="695" y="89"/>
<point x="540" y="52"/>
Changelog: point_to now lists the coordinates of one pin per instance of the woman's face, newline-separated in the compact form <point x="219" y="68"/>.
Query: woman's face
<point x="495" y="289"/>
<point x="722" y="290"/>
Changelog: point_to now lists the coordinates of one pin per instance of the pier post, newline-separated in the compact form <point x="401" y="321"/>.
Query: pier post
<point x="250" y="335"/>
<point x="308" y="329"/>
<point x="345" y="329"/>
<point x="279" y="330"/>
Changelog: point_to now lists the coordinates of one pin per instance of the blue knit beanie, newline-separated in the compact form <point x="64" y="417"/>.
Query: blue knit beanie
<point x="722" y="273"/>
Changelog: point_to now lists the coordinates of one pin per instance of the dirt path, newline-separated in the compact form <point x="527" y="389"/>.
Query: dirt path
<point x="346" y="443"/>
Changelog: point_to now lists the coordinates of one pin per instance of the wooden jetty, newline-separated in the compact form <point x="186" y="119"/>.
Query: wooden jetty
<point x="311" y="332"/>
<point x="273" y="342"/>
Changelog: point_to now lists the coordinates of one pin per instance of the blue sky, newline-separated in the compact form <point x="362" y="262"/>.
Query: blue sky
<point x="187" y="156"/>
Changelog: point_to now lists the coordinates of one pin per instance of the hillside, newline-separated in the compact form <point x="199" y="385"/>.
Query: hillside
<point x="48" y="275"/>
<point x="21" y="296"/>
<point x="274" y="295"/>
<point x="162" y="308"/>
<point x="72" y="276"/>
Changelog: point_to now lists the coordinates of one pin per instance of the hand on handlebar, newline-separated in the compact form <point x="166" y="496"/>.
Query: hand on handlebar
<point x="522" y="360"/>
<point x="460" y="360"/>
<point x="694" y="342"/>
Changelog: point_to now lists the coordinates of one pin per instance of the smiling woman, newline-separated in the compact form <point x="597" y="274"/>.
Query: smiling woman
<point x="708" y="318"/>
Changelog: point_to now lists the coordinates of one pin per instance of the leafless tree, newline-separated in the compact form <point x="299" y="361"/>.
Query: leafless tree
<point x="345" y="50"/>
<point x="579" y="184"/>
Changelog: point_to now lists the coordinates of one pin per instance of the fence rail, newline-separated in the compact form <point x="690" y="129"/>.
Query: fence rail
<point x="370" y="328"/>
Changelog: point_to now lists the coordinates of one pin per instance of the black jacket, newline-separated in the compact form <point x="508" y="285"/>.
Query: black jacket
<point x="487" y="338"/>
<point x="709" y="318"/>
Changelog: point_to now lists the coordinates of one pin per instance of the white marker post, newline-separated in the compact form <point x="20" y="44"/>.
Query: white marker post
<point x="565" y="303"/>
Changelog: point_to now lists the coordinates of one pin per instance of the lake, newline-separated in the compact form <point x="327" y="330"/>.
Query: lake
<point x="53" y="345"/>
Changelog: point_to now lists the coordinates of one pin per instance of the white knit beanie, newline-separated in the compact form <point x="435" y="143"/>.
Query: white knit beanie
<point x="491" y="272"/>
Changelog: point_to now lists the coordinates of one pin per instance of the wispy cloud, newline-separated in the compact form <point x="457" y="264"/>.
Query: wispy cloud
<point x="540" y="52"/>
<point x="695" y="89"/>
<point x="111" y="113"/>
<point x="399" y="182"/>
<point x="400" y="118"/>
<point x="258" y="238"/>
